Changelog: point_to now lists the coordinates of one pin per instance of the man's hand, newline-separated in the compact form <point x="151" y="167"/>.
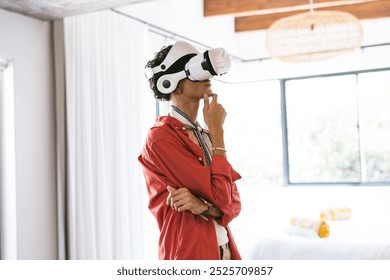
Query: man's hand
<point x="213" y="113"/>
<point x="182" y="199"/>
<point x="214" y="116"/>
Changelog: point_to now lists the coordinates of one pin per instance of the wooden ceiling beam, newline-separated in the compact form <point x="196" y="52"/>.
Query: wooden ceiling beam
<point x="369" y="10"/>
<point x="223" y="7"/>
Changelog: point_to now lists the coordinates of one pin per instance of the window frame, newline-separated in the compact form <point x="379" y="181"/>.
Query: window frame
<point x="284" y="127"/>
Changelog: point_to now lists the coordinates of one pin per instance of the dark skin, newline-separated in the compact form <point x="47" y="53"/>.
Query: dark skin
<point x="187" y="97"/>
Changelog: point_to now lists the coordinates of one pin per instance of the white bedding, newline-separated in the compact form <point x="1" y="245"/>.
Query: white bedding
<point x="260" y="230"/>
<point x="348" y="240"/>
<point x="291" y="247"/>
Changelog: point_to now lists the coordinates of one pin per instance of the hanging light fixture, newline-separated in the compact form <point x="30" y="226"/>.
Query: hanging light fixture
<point x="313" y="35"/>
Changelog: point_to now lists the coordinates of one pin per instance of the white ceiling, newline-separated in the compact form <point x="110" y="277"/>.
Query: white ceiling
<point x="185" y="18"/>
<point x="55" y="9"/>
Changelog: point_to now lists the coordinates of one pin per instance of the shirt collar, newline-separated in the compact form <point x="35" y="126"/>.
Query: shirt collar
<point x="183" y="118"/>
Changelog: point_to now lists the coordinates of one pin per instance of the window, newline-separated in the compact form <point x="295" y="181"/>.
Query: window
<point x="331" y="129"/>
<point x="338" y="128"/>
<point x="374" y="96"/>
<point x="252" y="130"/>
<point x="322" y="129"/>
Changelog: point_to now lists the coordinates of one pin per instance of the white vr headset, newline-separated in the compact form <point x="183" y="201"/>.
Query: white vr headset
<point x="200" y="67"/>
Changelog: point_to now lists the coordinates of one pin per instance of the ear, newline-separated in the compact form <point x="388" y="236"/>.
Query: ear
<point x="180" y="87"/>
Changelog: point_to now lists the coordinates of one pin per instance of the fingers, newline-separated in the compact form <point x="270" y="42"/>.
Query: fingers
<point x="179" y="202"/>
<point x="170" y="189"/>
<point x="215" y="98"/>
<point x="181" y="199"/>
<point x="177" y="197"/>
<point x="206" y="101"/>
<point x="214" y="113"/>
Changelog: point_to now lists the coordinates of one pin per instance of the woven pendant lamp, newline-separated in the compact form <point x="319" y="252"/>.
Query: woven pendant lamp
<point x="313" y="35"/>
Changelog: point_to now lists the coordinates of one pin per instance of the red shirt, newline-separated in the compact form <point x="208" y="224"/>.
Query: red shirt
<point x="169" y="157"/>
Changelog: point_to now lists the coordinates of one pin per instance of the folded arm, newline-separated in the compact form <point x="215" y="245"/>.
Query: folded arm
<point x="214" y="183"/>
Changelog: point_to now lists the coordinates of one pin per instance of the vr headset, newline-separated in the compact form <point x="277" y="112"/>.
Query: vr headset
<point x="200" y="67"/>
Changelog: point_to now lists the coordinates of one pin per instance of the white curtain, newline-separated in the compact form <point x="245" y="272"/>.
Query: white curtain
<point x="108" y="109"/>
<point x="8" y="223"/>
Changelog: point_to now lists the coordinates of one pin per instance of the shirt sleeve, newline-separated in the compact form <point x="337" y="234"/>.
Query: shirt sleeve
<point x="181" y="166"/>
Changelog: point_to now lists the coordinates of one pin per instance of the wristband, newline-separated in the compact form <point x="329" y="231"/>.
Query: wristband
<point x="209" y="206"/>
<point x="219" y="149"/>
<point x="208" y="210"/>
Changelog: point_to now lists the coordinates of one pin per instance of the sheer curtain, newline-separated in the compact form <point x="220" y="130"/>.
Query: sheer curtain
<point x="8" y="224"/>
<point x="108" y="111"/>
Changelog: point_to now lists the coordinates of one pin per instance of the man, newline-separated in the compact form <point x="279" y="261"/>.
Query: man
<point x="190" y="182"/>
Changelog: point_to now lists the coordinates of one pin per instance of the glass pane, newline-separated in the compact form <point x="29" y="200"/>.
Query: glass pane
<point x="323" y="138"/>
<point x="374" y="90"/>
<point x="252" y="130"/>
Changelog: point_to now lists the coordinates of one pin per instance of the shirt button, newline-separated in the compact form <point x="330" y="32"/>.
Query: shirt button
<point x="200" y="159"/>
<point x="183" y="128"/>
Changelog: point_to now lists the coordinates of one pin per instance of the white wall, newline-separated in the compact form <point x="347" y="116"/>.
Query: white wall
<point x="28" y="43"/>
